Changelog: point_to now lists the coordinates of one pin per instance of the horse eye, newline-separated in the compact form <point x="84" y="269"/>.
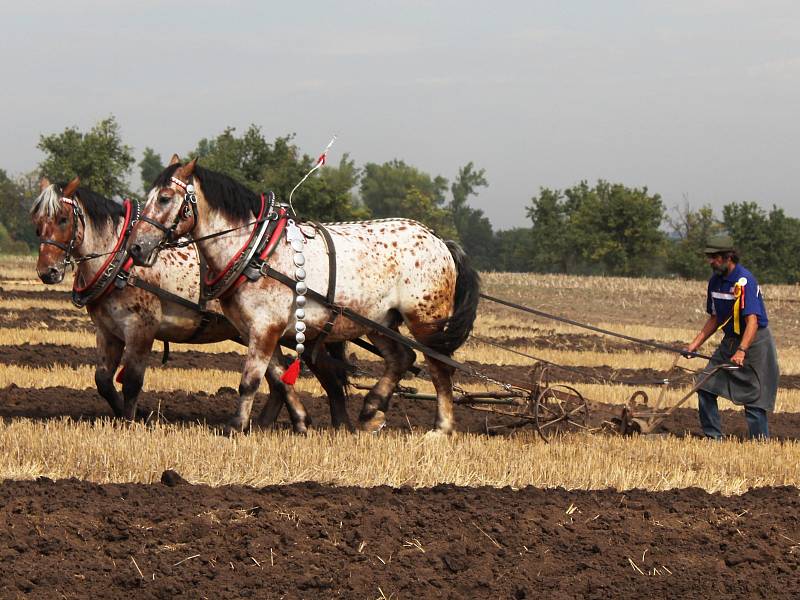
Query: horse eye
<point x="164" y="199"/>
<point x="62" y="221"/>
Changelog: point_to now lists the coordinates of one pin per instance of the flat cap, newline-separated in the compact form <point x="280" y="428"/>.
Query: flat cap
<point x="721" y="242"/>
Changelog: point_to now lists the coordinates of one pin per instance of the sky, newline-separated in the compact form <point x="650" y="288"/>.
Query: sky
<point x="695" y="99"/>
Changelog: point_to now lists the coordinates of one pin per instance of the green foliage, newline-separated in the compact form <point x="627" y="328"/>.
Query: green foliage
<point x="98" y="157"/>
<point x="17" y="233"/>
<point x="691" y="230"/>
<point x="513" y="250"/>
<point x="769" y="243"/>
<point x="150" y="167"/>
<point x="386" y="190"/>
<point x="278" y="166"/>
<point x="549" y="246"/>
<point x="608" y="228"/>
<point x="473" y="229"/>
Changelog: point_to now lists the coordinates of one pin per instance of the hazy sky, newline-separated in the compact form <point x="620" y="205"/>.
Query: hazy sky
<point x="695" y="98"/>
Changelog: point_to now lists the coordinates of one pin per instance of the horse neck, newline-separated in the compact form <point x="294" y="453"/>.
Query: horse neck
<point x="97" y="239"/>
<point x="220" y="250"/>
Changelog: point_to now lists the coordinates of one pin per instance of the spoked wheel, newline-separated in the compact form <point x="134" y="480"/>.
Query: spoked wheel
<point x="560" y="409"/>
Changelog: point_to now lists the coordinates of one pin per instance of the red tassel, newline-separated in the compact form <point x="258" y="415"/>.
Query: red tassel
<point x="118" y="378"/>
<point x="291" y="373"/>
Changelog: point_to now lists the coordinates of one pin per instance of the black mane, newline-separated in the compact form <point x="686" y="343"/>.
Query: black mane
<point x="99" y="209"/>
<point x="221" y="192"/>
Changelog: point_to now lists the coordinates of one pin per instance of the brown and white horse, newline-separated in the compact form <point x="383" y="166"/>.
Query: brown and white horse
<point x="75" y="224"/>
<point x="391" y="271"/>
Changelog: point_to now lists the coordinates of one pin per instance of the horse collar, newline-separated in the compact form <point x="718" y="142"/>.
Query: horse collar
<point x="116" y="264"/>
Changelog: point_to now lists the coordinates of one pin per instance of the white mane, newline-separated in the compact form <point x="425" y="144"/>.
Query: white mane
<point x="48" y="203"/>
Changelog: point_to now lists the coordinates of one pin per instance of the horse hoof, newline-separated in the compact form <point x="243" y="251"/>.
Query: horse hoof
<point x="373" y="424"/>
<point x="235" y="425"/>
<point x="436" y="434"/>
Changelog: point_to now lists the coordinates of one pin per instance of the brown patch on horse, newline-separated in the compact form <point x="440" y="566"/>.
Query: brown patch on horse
<point x="186" y="170"/>
<point x="71" y="187"/>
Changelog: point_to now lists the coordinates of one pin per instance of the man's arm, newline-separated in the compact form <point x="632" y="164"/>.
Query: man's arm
<point x="706" y="332"/>
<point x="750" y="329"/>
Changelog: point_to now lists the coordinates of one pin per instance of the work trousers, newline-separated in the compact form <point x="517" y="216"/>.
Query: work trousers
<point x="757" y="424"/>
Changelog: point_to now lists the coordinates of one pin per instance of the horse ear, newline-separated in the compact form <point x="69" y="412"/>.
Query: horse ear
<point x="44" y="183"/>
<point x="174" y="160"/>
<point x="69" y="190"/>
<point x="187" y="169"/>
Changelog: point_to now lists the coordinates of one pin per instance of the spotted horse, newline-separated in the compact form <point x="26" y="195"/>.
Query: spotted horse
<point x="388" y="272"/>
<point x="131" y="308"/>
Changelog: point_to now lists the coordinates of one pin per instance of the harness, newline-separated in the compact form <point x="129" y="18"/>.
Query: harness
<point x="189" y="203"/>
<point x="117" y="271"/>
<point x="117" y="265"/>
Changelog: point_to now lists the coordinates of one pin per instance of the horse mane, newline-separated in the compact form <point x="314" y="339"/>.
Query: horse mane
<point x="97" y="208"/>
<point x="221" y="192"/>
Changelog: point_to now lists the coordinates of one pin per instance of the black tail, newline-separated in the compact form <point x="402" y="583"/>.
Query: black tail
<point x="458" y="326"/>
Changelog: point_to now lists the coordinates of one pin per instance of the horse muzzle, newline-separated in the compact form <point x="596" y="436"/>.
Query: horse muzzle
<point x="144" y="253"/>
<point x="51" y="275"/>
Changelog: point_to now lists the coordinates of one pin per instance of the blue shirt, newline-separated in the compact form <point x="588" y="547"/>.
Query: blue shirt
<point x="720" y="299"/>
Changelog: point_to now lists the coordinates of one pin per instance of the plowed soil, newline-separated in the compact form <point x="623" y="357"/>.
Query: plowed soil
<point x="73" y="539"/>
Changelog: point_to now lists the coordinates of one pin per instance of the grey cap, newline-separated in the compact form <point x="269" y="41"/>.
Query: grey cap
<point x="721" y="242"/>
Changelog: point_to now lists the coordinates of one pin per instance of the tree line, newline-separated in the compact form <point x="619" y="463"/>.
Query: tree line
<point x="601" y="228"/>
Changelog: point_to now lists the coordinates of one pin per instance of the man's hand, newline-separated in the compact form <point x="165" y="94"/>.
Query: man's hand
<point x="688" y="351"/>
<point x="738" y="358"/>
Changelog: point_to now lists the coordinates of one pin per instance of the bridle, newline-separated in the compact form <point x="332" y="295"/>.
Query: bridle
<point x="188" y="206"/>
<point x="77" y="216"/>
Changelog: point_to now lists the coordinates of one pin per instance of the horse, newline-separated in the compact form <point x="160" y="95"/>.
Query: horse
<point x="77" y="224"/>
<point x="391" y="271"/>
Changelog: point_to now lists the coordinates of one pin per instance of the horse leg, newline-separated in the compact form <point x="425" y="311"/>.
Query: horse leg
<point x="259" y="354"/>
<point x="134" y="360"/>
<point x="280" y="394"/>
<point x="109" y="353"/>
<point x="333" y="377"/>
<point x="442" y="376"/>
<point x="398" y="359"/>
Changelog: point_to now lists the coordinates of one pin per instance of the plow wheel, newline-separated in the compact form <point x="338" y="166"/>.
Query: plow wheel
<point x="560" y="409"/>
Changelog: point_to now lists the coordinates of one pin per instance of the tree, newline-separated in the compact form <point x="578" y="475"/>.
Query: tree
<point x="473" y="228"/>
<point x="14" y="222"/>
<point x="608" y="228"/>
<point x="691" y="230"/>
<point x="279" y="166"/>
<point x="99" y="157"/>
<point x="150" y="166"/>
<point x="615" y="229"/>
<point x="550" y="250"/>
<point x="513" y="250"/>
<point x="386" y="189"/>
<point x="769" y="243"/>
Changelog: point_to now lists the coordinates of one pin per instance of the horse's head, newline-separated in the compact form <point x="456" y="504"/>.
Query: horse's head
<point x="169" y="213"/>
<point x="60" y="228"/>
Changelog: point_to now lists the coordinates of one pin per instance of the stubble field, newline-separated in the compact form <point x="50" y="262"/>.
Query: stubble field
<point x="488" y="512"/>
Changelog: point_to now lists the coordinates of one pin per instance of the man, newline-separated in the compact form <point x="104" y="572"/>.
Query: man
<point x="735" y="305"/>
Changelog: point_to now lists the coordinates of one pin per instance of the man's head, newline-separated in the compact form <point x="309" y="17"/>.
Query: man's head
<point x="721" y="254"/>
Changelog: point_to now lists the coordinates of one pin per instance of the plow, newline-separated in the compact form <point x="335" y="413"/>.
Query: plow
<point x="553" y="408"/>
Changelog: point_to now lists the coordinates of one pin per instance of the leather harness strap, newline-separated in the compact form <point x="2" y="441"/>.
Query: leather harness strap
<point x="330" y="297"/>
<point x="369" y="323"/>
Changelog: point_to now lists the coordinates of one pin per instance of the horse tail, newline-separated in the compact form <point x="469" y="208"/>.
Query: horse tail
<point x="457" y="327"/>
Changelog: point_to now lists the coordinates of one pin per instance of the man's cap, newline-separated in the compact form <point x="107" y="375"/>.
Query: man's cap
<point x="721" y="242"/>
